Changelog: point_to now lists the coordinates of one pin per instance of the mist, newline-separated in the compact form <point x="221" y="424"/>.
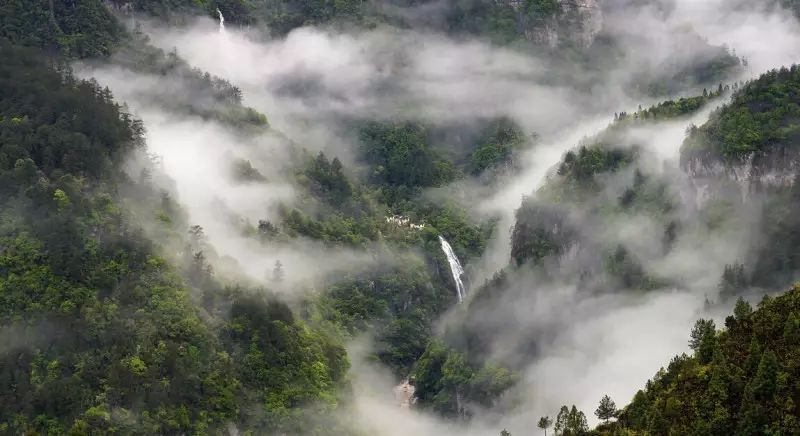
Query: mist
<point x="312" y="80"/>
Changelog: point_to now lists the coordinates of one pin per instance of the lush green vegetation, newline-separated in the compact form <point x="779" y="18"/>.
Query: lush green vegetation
<point x="103" y="334"/>
<point x="105" y="330"/>
<point x="83" y="28"/>
<point x="762" y="120"/>
<point x="447" y="382"/>
<point x="501" y="139"/>
<point x="402" y="156"/>
<point x="741" y="380"/>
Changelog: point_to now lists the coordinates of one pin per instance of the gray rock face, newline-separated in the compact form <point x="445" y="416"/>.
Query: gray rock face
<point x="578" y="23"/>
<point x="587" y="20"/>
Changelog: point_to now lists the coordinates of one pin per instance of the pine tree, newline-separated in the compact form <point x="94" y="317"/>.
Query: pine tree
<point x="791" y="330"/>
<point x="702" y="339"/>
<point x="758" y="396"/>
<point x="606" y="410"/>
<point x="577" y="422"/>
<point x="561" y="421"/>
<point x="717" y="394"/>
<point x="742" y="309"/>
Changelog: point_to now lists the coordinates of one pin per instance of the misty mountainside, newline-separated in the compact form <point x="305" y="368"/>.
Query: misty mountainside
<point x="100" y="332"/>
<point x="739" y="380"/>
<point x="300" y="217"/>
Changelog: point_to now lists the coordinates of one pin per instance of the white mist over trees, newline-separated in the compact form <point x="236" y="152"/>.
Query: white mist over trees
<point x="473" y="80"/>
<point x="313" y="185"/>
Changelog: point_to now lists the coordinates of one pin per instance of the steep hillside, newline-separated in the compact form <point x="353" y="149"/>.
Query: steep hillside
<point x="750" y="148"/>
<point x="99" y="332"/>
<point x="741" y="380"/>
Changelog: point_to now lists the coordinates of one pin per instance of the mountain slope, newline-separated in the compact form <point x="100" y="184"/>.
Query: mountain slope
<point x="100" y="333"/>
<point x="742" y="380"/>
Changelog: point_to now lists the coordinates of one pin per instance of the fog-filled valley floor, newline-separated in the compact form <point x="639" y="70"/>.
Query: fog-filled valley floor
<point x="388" y="218"/>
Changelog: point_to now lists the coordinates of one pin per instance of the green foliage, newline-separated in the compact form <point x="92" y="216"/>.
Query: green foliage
<point x="587" y="162"/>
<point x="570" y="422"/>
<point x="703" y="339"/>
<point x="105" y="335"/>
<point x="501" y="139"/>
<point x="540" y="231"/>
<point x="669" y="109"/>
<point x="282" y="364"/>
<point x="80" y="28"/>
<point x="745" y="385"/>
<point x="402" y="156"/>
<point x="763" y="117"/>
<point x="67" y="125"/>
<point x="398" y="306"/>
<point x="606" y="410"/>
<point x="445" y="381"/>
<point x="327" y="180"/>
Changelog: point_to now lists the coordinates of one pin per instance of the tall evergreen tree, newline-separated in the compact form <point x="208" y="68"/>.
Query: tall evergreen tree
<point x="606" y="410"/>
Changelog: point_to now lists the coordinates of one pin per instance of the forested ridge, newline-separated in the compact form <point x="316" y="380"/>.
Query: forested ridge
<point x="739" y="380"/>
<point x="100" y="333"/>
<point x="120" y="315"/>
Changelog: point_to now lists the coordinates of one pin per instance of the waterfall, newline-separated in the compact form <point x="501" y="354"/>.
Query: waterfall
<point x="221" y="21"/>
<point x="455" y="268"/>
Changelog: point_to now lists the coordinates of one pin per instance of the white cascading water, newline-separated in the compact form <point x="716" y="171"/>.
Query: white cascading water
<point x="221" y="21"/>
<point x="455" y="268"/>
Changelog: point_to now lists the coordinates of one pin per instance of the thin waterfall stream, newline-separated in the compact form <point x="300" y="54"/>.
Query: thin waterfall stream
<point x="455" y="268"/>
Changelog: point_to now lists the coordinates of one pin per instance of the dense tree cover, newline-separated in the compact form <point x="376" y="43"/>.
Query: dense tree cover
<point x="448" y="383"/>
<point x="102" y="333"/>
<point x="280" y="16"/>
<point x="498" y="143"/>
<point x="739" y="381"/>
<point x="234" y="11"/>
<point x="399" y="306"/>
<point x="397" y="303"/>
<point x="142" y="347"/>
<point x="670" y="109"/>
<point x="80" y="28"/>
<point x="760" y="123"/>
<point x="402" y="156"/>
<point x="326" y="179"/>
<point x="53" y="122"/>
<point x="570" y="422"/>
<point x="87" y="29"/>
<point x="502" y="22"/>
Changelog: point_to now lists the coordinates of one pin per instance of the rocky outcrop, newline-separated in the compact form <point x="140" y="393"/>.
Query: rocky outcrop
<point x="583" y="20"/>
<point x="577" y="23"/>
